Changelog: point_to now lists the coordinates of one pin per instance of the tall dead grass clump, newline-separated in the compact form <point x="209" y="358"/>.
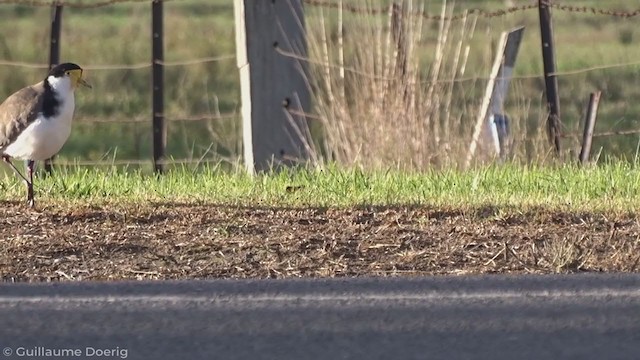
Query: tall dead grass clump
<point x="384" y="93"/>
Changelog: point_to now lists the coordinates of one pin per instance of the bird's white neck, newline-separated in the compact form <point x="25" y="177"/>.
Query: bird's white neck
<point x="61" y="85"/>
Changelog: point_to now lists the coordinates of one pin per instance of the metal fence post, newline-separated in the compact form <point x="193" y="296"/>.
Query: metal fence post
<point x="159" y="131"/>
<point x="54" y="56"/>
<point x="550" y="79"/>
<point x="56" y="27"/>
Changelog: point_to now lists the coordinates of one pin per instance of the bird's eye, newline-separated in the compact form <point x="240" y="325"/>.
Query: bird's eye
<point x="67" y="73"/>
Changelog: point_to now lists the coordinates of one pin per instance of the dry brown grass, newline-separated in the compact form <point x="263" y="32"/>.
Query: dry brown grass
<point x="174" y="241"/>
<point x="387" y="96"/>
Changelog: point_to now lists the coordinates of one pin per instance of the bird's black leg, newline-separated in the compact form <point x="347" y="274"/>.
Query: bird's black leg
<point x="30" y="199"/>
<point x="7" y="159"/>
<point x="27" y="182"/>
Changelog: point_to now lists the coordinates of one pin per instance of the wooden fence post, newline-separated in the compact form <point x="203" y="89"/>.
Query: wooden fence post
<point x="271" y="52"/>
<point x="159" y="131"/>
<point x="492" y="106"/>
<point x="550" y="79"/>
<point x="54" y="56"/>
<point x="589" y="125"/>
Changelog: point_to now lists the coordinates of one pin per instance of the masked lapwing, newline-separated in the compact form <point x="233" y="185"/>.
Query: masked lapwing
<point x="35" y="122"/>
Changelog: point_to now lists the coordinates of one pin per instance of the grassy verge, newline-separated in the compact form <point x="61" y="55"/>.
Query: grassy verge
<point x="615" y="186"/>
<point x="115" y="224"/>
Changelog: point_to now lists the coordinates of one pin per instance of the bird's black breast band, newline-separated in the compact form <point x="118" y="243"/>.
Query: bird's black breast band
<point x="50" y="104"/>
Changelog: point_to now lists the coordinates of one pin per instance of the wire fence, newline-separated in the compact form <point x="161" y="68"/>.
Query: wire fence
<point x="333" y="5"/>
<point x="93" y="127"/>
<point x="144" y="65"/>
<point x="139" y="66"/>
<point x="475" y="78"/>
<point x="345" y="6"/>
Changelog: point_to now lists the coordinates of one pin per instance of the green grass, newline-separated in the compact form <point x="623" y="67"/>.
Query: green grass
<point x="614" y="187"/>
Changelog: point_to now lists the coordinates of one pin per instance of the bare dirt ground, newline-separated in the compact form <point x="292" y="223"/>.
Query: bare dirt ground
<point x="186" y="241"/>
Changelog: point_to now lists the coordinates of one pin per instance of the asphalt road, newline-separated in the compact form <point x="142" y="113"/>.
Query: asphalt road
<point x="496" y="317"/>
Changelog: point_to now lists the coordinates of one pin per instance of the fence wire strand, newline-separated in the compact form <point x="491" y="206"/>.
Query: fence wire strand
<point x="354" y="71"/>
<point x="147" y="120"/>
<point x="592" y="10"/>
<point x="355" y="9"/>
<point x="617" y="133"/>
<point x="136" y="66"/>
<point x="77" y="4"/>
<point x="370" y="10"/>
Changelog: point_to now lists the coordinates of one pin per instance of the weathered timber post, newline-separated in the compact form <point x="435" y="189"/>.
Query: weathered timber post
<point x="491" y="111"/>
<point x="271" y="55"/>
<point x="589" y="125"/>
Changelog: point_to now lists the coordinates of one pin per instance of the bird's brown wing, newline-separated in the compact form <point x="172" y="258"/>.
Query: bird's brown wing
<point x="18" y="111"/>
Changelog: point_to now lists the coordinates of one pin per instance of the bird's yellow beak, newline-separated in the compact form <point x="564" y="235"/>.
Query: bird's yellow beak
<point x="76" y="78"/>
<point x="84" y="82"/>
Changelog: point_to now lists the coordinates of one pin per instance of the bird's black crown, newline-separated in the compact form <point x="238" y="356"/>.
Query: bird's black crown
<point x="60" y="70"/>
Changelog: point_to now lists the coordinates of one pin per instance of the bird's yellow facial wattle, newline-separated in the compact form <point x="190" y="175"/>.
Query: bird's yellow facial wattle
<point x="76" y="78"/>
